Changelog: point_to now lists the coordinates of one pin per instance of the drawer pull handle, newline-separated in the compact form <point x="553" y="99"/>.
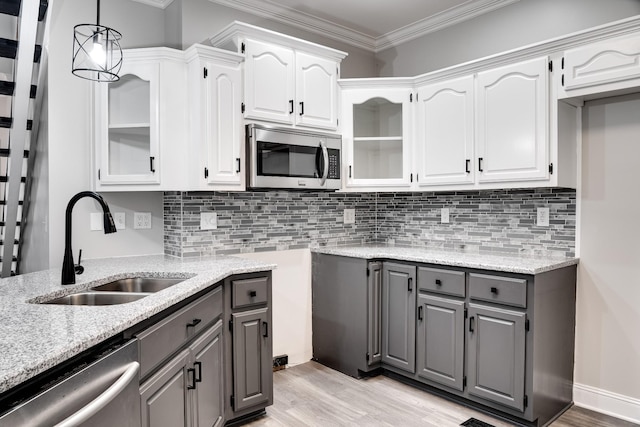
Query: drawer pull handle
<point x="265" y="325"/>
<point x="193" y="323"/>
<point x="192" y="373"/>
<point x="253" y="294"/>
<point x="438" y="282"/>
<point x="472" y="322"/>
<point x="494" y="290"/>
<point x="198" y="374"/>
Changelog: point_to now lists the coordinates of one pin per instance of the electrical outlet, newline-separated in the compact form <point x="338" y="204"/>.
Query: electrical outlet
<point x="444" y="215"/>
<point x="349" y="216"/>
<point x="141" y="220"/>
<point x="96" y="219"/>
<point x="208" y="220"/>
<point x="543" y="217"/>
<point x="119" y="220"/>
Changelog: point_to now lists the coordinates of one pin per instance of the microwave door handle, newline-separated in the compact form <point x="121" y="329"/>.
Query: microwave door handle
<point x="325" y="157"/>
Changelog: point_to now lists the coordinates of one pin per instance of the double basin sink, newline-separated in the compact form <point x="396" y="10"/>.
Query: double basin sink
<point x="117" y="292"/>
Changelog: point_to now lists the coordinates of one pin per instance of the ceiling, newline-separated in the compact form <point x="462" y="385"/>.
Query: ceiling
<point x="369" y="24"/>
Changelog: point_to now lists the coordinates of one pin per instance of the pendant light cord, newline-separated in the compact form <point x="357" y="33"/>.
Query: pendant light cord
<point x="98" y="14"/>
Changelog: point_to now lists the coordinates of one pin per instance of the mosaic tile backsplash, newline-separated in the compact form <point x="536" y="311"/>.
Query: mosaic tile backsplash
<point x="480" y="221"/>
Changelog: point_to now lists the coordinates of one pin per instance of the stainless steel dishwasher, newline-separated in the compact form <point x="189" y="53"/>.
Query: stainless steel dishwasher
<point x="105" y="393"/>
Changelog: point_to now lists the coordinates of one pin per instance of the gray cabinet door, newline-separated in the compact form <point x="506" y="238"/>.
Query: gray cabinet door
<point x="207" y="359"/>
<point x="441" y="340"/>
<point x="252" y="359"/>
<point x="496" y="355"/>
<point x="399" y="315"/>
<point x="163" y="396"/>
<point x="374" y="313"/>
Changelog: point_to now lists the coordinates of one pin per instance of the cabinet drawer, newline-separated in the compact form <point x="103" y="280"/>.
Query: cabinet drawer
<point x="498" y="289"/>
<point x="166" y="336"/>
<point x="248" y="292"/>
<point x="448" y="282"/>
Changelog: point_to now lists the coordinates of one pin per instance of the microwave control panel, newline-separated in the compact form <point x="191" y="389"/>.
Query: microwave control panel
<point x="334" y="164"/>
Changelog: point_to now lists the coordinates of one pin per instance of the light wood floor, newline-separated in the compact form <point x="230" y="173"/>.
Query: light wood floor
<point x="314" y="395"/>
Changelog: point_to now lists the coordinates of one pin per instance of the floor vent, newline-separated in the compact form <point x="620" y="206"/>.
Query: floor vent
<point x="472" y="422"/>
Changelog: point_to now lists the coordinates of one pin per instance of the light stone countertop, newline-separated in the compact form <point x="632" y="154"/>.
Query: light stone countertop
<point x="509" y="263"/>
<point x="36" y="337"/>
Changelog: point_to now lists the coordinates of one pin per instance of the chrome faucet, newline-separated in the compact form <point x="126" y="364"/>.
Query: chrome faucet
<point x="68" y="267"/>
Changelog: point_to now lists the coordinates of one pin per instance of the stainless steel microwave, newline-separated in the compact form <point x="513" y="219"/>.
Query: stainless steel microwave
<point x="289" y="158"/>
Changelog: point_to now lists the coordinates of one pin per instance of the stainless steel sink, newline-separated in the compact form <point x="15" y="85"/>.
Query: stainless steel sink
<point x="98" y="298"/>
<point x="138" y="284"/>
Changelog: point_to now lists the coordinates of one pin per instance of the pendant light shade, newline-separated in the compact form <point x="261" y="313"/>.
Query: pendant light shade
<point x="97" y="54"/>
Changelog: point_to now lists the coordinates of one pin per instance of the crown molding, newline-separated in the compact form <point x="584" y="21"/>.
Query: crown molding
<point x="301" y="20"/>
<point x="447" y="18"/>
<point x="162" y="4"/>
<point x="305" y="21"/>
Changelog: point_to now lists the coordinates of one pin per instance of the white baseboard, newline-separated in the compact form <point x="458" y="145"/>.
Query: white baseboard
<point x="606" y="402"/>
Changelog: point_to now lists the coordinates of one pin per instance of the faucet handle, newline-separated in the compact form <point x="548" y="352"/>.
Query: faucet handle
<point x="78" y="268"/>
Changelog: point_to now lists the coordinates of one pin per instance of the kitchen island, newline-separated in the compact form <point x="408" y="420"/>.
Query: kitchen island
<point x="36" y="337"/>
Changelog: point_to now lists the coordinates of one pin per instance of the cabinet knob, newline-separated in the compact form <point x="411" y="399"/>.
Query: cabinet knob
<point x="438" y="282"/>
<point x="252" y="294"/>
<point x="494" y="290"/>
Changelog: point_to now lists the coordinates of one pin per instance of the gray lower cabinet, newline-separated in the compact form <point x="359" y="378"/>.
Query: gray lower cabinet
<point x="251" y="359"/>
<point x="399" y="315"/>
<point x="187" y="390"/>
<point x="440" y="340"/>
<point x="503" y="341"/>
<point x="496" y="355"/>
<point x="249" y="382"/>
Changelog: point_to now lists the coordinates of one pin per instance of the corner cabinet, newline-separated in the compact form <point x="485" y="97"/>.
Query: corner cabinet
<point x="139" y="124"/>
<point x="376" y="134"/>
<point x="482" y="337"/>
<point x="216" y="133"/>
<point x="286" y="80"/>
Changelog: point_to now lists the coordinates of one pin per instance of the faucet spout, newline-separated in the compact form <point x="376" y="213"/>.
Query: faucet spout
<point x="68" y="267"/>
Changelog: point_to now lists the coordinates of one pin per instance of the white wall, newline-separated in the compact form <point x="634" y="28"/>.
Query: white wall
<point x="291" y="303"/>
<point x="607" y="370"/>
<point x="519" y="24"/>
<point x="69" y="132"/>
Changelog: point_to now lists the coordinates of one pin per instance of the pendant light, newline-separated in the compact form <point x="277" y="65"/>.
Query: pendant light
<point x="96" y="51"/>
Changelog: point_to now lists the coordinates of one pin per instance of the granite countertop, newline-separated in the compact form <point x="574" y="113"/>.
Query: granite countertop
<point x="36" y="337"/>
<point x="510" y="263"/>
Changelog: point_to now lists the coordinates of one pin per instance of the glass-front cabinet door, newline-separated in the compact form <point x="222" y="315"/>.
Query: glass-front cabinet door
<point x="376" y="137"/>
<point x="127" y="127"/>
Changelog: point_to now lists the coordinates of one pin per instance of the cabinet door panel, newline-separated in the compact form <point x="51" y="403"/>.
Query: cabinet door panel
<point x="441" y="340"/>
<point x="398" y="316"/>
<point x="496" y="355"/>
<point x="512" y="120"/>
<point x="251" y="358"/>
<point x="164" y="397"/>
<point x="269" y="82"/>
<point x="223" y="125"/>
<point x="445" y="132"/>
<point x="601" y="63"/>
<point x="374" y="311"/>
<point x="316" y="90"/>
<point x="207" y="357"/>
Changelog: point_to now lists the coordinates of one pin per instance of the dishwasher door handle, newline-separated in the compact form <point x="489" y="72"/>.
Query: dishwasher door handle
<point x="104" y="399"/>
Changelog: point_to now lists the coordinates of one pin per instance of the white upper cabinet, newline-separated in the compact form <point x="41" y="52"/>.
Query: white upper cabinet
<point x="605" y="66"/>
<point x="512" y="122"/>
<point x="376" y="136"/>
<point x="215" y="119"/>
<point x="286" y="80"/>
<point x="445" y="133"/>
<point x="139" y="122"/>
<point x="316" y="91"/>
<point x="269" y="82"/>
